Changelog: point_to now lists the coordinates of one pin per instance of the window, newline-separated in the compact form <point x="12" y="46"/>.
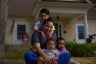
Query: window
<point x="59" y="29"/>
<point x="21" y="29"/>
<point x="81" y="32"/>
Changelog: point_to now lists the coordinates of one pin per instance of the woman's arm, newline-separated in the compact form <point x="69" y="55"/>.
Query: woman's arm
<point x="40" y="52"/>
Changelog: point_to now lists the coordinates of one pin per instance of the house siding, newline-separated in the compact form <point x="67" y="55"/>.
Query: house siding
<point x="69" y="27"/>
<point x="9" y="36"/>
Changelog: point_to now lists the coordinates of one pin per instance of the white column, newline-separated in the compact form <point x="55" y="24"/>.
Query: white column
<point x="86" y="26"/>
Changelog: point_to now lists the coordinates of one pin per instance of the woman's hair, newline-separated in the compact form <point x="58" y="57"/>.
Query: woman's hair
<point x="47" y="20"/>
<point x="50" y="39"/>
<point x="60" y="38"/>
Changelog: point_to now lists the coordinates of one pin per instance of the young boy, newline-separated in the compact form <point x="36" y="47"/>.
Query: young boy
<point x="43" y="16"/>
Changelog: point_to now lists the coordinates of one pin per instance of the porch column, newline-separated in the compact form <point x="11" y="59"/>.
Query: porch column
<point x="3" y="19"/>
<point x="86" y="26"/>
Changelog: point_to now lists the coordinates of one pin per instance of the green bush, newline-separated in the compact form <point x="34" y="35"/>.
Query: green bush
<point x="81" y="50"/>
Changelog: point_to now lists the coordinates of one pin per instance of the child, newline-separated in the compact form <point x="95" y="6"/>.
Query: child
<point x="61" y="48"/>
<point x="50" y="51"/>
<point x="43" y="16"/>
<point x="25" y="38"/>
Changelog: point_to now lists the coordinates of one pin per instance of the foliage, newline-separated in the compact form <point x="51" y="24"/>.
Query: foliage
<point x="81" y="50"/>
<point x="76" y="50"/>
<point x="94" y="1"/>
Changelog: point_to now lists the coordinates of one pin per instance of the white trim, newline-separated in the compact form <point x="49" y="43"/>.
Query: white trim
<point x="19" y="22"/>
<point x="61" y="7"/>
<point x="86" y="26"/>
<point x="76" y="30"/>
<point x="61" y="24"/>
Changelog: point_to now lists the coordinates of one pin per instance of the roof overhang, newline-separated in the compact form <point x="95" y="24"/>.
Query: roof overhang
<point x="63" y="9"/>
<point x="21" y="7"/>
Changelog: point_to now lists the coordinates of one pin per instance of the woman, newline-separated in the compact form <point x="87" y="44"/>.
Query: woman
<point x="38" y="41"/>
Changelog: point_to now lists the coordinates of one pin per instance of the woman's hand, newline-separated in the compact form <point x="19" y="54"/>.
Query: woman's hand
<point x="47" y="59"/>
<point x="54" y="58"/>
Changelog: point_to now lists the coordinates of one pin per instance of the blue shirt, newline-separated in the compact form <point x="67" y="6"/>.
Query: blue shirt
<point x="38" y="38"/>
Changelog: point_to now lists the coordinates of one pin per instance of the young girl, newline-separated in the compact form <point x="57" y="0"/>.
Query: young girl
<point x="25" y="38"/>
<point x="51" y="51"/>
<point x="62" y="49"/>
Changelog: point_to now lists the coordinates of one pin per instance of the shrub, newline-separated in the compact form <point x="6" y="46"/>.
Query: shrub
<point x="81" y="50"/>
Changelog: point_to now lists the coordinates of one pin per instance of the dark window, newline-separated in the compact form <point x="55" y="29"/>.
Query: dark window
<point x="81" y="32"/>
<point x="21" y="29"/>
<point x="58" y="29"/>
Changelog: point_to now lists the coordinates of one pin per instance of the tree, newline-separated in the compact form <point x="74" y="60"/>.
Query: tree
<point x="3" y="19"/>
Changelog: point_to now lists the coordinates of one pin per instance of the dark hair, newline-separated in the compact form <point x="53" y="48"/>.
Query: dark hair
<point x="47" y="20"/>
<point x="44" y="11"/>
<point x="50" y="39"/>
<point x="60" y="38"/>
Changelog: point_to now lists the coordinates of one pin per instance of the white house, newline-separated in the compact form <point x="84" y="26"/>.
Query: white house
<point x="74" y="20"/>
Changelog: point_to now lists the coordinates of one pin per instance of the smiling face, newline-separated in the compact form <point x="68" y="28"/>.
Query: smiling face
<point x="47" y="28"/>
<point x="61" y="44"/>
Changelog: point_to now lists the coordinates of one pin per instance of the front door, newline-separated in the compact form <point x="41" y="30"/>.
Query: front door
<point x="59" y="29"/>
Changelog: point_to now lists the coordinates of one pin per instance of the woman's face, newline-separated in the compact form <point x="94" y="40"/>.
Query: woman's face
<point x="48" y="27"/>
<point x="61" y="44"/>
<point x="50" y="45"/>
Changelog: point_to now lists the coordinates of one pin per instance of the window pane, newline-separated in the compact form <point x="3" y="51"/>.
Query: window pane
<point x="56" y="29"/>
<point x="81" y="32"/>
<point x="60" y="32"/>
<point x="20" y="31"/>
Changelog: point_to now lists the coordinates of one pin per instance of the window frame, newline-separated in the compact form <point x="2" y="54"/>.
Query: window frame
<point x="16" y="23"/>
<point x="76" y="27"/>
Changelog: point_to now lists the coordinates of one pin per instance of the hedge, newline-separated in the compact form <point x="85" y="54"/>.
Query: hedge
<point x="81" y="50"/>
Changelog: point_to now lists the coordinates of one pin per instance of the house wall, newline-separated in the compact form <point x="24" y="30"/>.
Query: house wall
<point x="92" y="28"/>
<point x="70" y="28"/>
<point x="9" y="35"/>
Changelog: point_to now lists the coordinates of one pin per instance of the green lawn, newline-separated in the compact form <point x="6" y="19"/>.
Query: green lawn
<point x="16" y="57"/>
<point x="81" y="60"/>
<point x="85" y="60"/>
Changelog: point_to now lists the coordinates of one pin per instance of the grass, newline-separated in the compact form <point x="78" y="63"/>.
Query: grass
<point x="14" y="54"/>
<point x="85" y="60"/>
<point x="16" y="57"/>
